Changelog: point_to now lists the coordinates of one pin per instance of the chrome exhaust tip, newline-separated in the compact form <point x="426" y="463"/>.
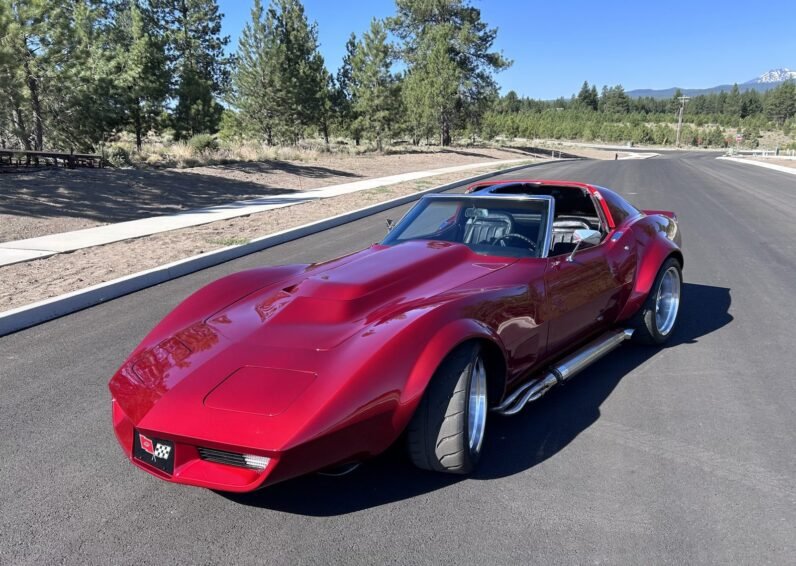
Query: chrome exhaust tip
<point x="529" y="392"/>
<point x="339" y="470"/>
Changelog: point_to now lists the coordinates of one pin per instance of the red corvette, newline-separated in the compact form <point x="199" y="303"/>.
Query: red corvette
<point x="473" y="303"/>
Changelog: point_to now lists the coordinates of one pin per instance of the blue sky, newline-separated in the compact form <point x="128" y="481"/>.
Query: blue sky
<point x="556" y="45"/>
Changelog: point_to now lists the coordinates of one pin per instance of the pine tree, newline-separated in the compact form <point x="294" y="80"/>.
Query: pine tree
<point x="255" y="78"/>
<point x="781" y="102"/>
<point x="751" y="103"/>
<point x="452" y="30"/>
<point x="594" y="98"/>
<point x="373" y="91"/>
<point x="280" y="84"/>
<point x="733" y="105"/>
<point x="587" y="97"/>
<point x="615" y="101"/>
<point x="192" y="29"/>
<point x="674" y="102"/>
<point x="13" y="112"/>
<point x="431" y="86"/>
<point x="82" y="98"/>
<point x="59" y="77"/>
<point x="143" y="75"/>
<point x="327" y="110"/>
<point x="28" y="33"/>
<point x="511" y="102"/>
<point x="343" y="96"/>
<point x="302" y="78"/>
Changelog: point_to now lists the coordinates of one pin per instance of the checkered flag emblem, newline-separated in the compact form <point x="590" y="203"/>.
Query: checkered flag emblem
<point x="162" y="451"/>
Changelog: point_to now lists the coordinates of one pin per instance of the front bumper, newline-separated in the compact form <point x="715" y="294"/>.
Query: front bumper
<point x="191" y="463"/>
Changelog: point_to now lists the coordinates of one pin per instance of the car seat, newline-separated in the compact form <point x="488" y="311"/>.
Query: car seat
<point x="484" y="229"/>
<point x="563" y="235"/>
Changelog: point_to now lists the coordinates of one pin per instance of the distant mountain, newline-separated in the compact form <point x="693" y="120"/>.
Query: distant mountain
<point x="773" y="76"/>
<point x="764" y="82"/>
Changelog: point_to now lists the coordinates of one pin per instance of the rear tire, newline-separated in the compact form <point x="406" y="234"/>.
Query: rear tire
<point x="447" y="430"/>
<point x="655" y="322"/>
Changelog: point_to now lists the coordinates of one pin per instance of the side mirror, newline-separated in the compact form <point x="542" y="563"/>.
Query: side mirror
<point x="390" y="224"/>
<point x="584" y="237"/>
<point x="590" y="237"/>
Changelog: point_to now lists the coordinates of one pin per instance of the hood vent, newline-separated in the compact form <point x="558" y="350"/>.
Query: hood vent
<point x="388" y="272"/>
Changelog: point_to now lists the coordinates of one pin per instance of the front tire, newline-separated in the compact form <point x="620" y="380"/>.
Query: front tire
<point x="655" y="322"/>
<point x="447" y="430"/>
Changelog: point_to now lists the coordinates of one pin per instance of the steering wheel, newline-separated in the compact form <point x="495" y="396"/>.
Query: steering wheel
<point x="500" y="240"/>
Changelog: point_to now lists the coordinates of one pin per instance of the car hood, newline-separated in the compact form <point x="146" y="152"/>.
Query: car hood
<point x="325" y="306"/>
<point x="279" y="341"/>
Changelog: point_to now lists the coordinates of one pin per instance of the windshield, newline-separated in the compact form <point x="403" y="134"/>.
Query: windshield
<point x="497" y="226"/>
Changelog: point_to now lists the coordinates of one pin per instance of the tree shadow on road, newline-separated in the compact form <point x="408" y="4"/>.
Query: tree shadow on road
<point x="512" y="445"/>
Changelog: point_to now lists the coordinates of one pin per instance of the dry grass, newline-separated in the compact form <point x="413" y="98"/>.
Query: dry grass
<point x="165" y="153"/>
<point x="768" y="140"/>
<point x="774" y="139"/>
<point x="181" y="154"/>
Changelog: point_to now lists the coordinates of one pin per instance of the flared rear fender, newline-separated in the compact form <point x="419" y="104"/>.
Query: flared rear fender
<point x="658" y="238"/>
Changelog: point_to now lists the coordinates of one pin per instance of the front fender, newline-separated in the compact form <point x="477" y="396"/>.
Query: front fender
<point x="443" y="343"/>
<point x="379" y="392"/>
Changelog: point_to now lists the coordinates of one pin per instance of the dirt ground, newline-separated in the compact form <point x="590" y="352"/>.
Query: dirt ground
<point x="31" y="281"/>
<point x="593" y="153"/>
<point x="51" y="201"/>
<point x="774" y="161"/>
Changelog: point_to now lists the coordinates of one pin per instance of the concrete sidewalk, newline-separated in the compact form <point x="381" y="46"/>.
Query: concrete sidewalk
<point x="773" y="166"/>
<point x="639" y="155"/>
<point x="45" y="246"/>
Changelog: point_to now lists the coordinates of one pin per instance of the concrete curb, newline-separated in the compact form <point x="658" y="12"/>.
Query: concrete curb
<point x="48" y="309"/>
<point x="773" y="166"/>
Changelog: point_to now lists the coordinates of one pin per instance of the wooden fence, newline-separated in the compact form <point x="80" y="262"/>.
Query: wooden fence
<point x="70" y="160"/>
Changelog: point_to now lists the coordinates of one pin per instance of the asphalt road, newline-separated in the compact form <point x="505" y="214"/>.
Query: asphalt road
<point x="680" y="455"/>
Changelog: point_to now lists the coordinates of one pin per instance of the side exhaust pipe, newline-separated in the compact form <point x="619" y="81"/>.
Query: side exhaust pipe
<point x="563" y="371"/>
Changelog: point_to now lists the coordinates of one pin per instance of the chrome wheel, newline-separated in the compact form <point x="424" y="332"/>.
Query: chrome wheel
<point x="476" y="406"/>
<point x="667" y="302"/>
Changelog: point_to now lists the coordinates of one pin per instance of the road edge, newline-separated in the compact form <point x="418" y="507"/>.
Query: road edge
<point x="39" y="312"/>
<point x="772" y="166"/>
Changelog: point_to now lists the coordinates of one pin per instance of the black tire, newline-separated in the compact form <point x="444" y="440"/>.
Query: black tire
<point x="438" y="436"/>
<point x="645" y="323"/>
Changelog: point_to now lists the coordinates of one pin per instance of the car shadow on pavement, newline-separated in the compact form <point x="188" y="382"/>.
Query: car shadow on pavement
<point x="512" y="445"/>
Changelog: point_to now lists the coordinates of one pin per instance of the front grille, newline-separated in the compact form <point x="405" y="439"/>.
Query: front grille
<point x="233" y="458"/>
<point x="223" y="457"/>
